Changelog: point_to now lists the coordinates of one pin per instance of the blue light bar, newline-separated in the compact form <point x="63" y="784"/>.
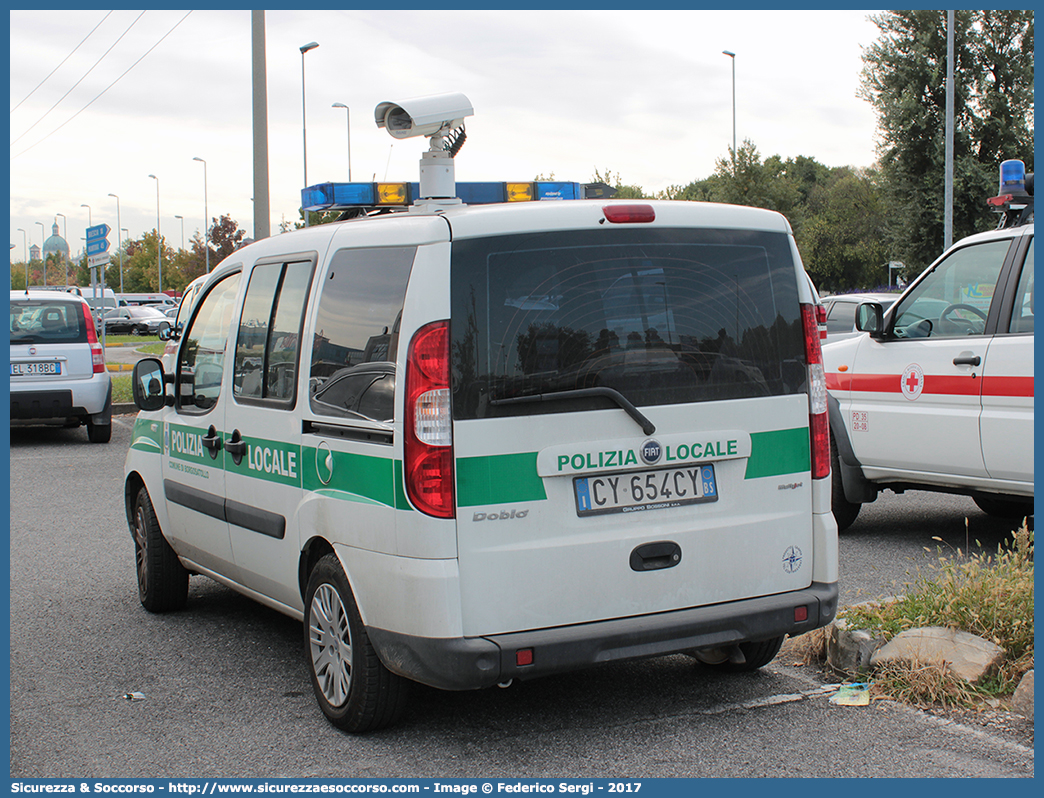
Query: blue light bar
<point x="345" y="196"/>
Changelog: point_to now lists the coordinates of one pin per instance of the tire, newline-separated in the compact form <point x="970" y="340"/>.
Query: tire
<point x="137" y="331"/>
<point x="1004" y="508"/>
<point x="99" y="433"/>
<point x="757" y="655"/>
<point x="845" y="512"/>
<point x="353" y="688"/>
<point x="162" y="579"/>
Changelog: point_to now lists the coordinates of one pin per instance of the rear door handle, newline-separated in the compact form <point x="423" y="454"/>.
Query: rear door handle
<point x="967" y="360"/>
<point x="212" y="441"/>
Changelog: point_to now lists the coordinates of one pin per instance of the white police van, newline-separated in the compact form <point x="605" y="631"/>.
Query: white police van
<point x="937" y="393"/>
<point x="467" y="443"/>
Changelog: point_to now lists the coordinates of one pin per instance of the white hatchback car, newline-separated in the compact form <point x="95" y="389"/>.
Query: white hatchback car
<point x="58" y="370"/>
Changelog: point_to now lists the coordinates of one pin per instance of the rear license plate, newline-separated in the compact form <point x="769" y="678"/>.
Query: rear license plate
<point x="32" y="369"/>
<point x="644" y="490"/>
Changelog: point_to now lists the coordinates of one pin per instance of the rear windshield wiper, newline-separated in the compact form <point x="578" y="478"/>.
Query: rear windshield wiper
<point x="583" y="393"/>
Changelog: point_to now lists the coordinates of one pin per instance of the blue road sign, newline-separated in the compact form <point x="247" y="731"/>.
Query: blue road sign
<point x="98" y="231"/>
<point x="97" y="246"/>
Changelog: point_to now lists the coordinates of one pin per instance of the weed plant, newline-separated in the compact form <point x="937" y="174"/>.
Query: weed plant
<point x="989" y="595"/>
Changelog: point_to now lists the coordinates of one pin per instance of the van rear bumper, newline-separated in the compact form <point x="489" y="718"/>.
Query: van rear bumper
<point x="477" y="662"/>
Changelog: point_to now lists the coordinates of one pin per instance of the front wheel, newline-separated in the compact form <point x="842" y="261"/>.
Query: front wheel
<point x="354" y="689"/>
<point x="162" y="579"/>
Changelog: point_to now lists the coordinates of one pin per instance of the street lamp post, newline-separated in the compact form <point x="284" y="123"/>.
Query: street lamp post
<point x="88" y="207"/>
<point x="348" y="119"/>
<point x="25" y="250"/>
<point x="182" y="230"/>
<point x="119" y="243"/>
<point x="733" y="57"/>
<point x="43" y="256"/>
<point x="304" y="125"/>
<point x="65" y="235"/>
<point x="206" y="214"/>
<point x="159" y="244"/>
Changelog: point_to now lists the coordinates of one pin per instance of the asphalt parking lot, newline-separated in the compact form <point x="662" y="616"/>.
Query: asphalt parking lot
<point x="226" y="693"/>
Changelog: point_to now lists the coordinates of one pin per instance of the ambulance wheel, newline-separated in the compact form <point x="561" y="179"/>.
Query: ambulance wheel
<point x="354" y="690"/>
<point x="845" y="512"/>
<point x="162" y="579"/>
<point x="1000" y="507"/>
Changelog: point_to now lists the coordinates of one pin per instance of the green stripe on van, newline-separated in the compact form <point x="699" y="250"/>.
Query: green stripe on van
<point x="498" y="479"/>
<point x="354" y="477"/>
<point x="778" y="452"/>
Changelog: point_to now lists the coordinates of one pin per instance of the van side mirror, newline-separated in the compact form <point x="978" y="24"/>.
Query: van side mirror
<point x="148" y="384"/>
<point x="869" y="319"/>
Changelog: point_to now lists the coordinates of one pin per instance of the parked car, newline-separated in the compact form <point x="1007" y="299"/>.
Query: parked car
<point x="171" y="312"/>
<point x="135" y="319"/>
<point x="938" y="395"/>
<point x="841" y="312"/>
<point x="58" y="370"/>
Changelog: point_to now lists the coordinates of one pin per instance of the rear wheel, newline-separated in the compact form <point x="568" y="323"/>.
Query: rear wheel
<point x="354" y="689"/>
<point x="1004" y="508"/>
<point x="756" y="655"/>
<point x="845" y="512"/>
<point x="99" y="433"/>
<point x="162" y="579"/>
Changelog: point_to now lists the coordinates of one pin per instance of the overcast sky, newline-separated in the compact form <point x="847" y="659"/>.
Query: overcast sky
<point x="646" y="95"/>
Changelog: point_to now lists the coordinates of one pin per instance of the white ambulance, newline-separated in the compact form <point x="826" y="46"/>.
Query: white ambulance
<point x="468" y="443"/>
<point x="937" y="393"/>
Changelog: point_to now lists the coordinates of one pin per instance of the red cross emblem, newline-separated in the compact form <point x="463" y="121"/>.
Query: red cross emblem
<point x="912" y="381"/>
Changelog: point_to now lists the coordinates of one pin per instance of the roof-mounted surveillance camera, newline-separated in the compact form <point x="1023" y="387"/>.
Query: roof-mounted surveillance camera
<point x="437" y="117"/>
<point x="423" y="116"/>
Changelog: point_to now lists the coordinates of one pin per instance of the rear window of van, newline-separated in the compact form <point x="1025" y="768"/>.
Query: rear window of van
<point x="663" y="316"/>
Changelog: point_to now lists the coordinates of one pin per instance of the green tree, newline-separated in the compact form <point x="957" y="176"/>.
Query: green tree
<point x="904" y="78"/>
<point x="841" y="238"/>
<point x="226" y="237"/>
<point x="622" y="191"/>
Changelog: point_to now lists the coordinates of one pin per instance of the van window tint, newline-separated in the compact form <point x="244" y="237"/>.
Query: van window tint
<point x="357" y="322"/>
<point x="202" y="353"/>
<point x="268" y="342"/>
<point x="663" y="316"/>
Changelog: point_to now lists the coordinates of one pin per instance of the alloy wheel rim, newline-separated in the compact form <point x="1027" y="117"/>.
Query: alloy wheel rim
<point x="141" y="550"/>
<point x="330" y="644"/>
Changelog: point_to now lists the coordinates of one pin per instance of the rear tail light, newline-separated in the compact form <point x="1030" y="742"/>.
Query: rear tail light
<point x="428" y="447"/>
<point x="821" y="319"/>
<point x="97" y="351"/>
<point x="819" y="426"/>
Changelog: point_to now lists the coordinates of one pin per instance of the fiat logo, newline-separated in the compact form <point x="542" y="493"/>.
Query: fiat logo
<point x="651" y="451"/>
